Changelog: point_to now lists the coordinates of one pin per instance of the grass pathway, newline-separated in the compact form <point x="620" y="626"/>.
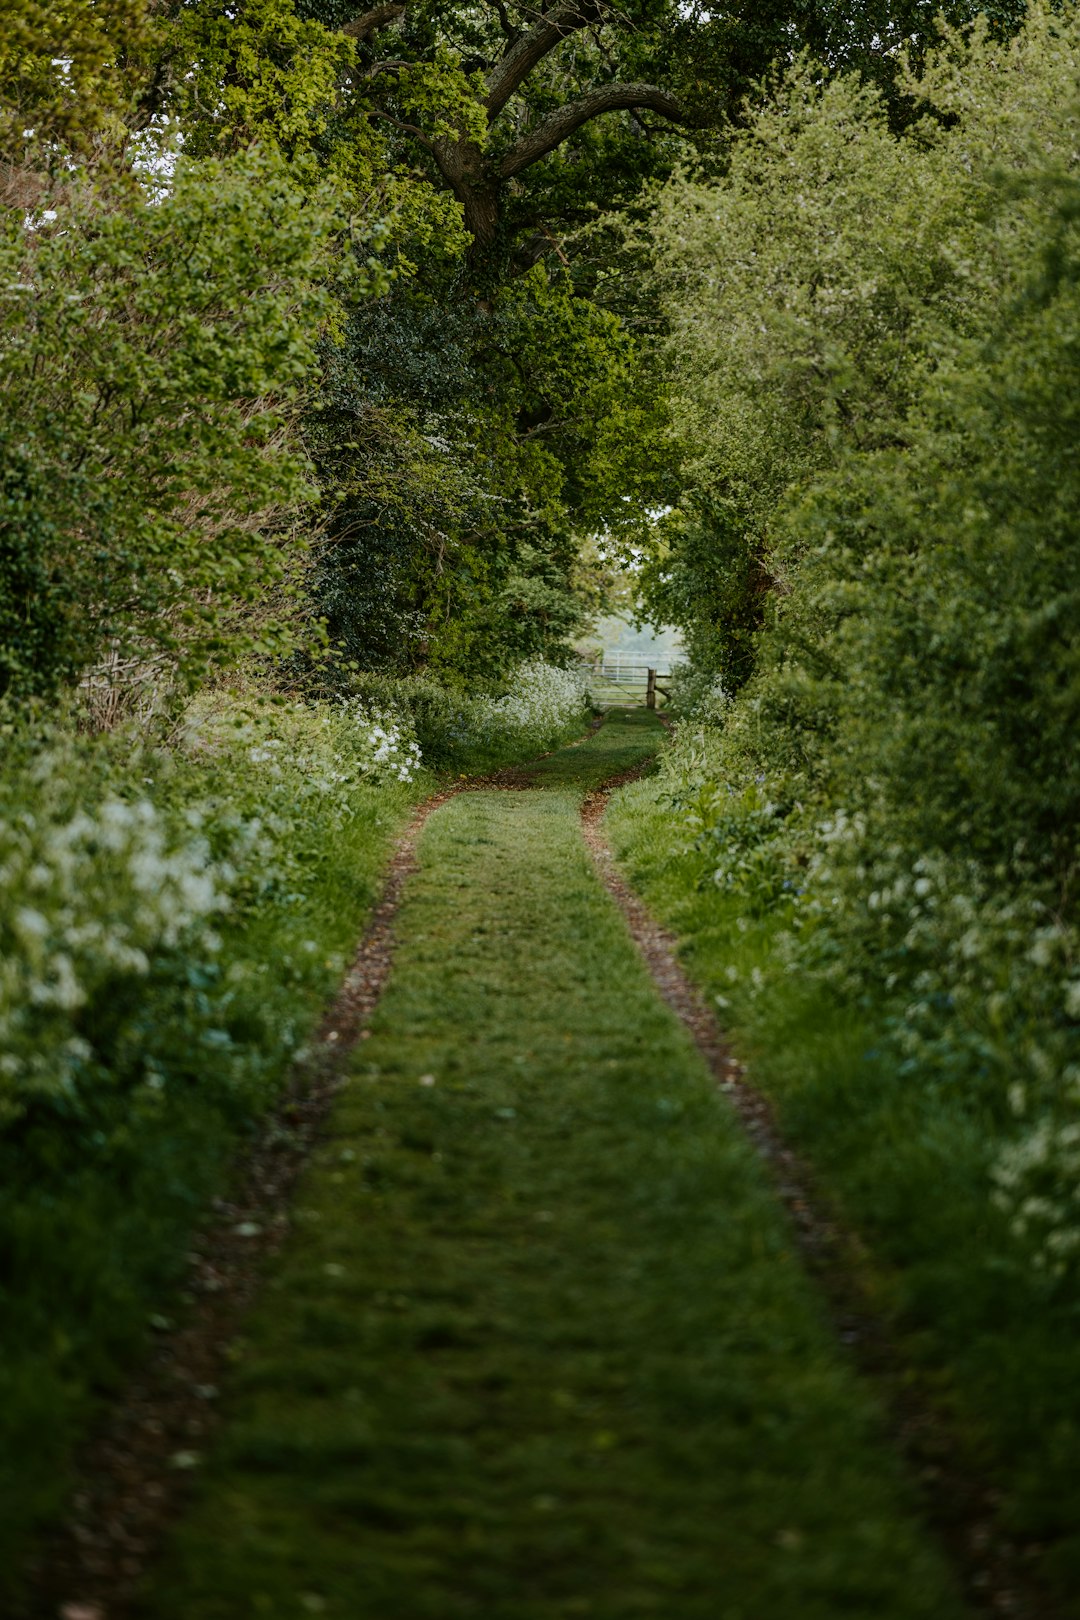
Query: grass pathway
<point x="539" y="1346"/>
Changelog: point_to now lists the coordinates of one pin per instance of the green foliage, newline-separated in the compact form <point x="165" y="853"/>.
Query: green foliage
<point x="884" y="373"/>
<point x="460" y="559"/>
<point x="704" y="569"/>
<point x="257" y="72"/>
<point x="391" y="438"/>
<point x="543" y="707"/>
<point x="812" y="293"/>
<point x="468" y="442"/>
<point x="69" y="80"/>
<point x="266" y="72"/>
<point x="153" y="355"/>
<point x="458" y="514"/>
<point x="113" y="890"/>
<point x="895" y="940"/>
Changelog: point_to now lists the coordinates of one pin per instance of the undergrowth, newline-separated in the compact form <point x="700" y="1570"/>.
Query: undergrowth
<point x="173" y="921"/>
<point x="906" y="1151"/>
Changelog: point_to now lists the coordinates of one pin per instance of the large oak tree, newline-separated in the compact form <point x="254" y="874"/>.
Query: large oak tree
<point x="491" y="408"/>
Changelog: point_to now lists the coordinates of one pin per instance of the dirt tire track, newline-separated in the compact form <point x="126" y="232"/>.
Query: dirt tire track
<point x="994" y="1570"/>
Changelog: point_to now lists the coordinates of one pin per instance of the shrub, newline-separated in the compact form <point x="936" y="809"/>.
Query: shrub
<point x="153" y="350"/>
<point x="543" y="701"/>
<point x="173" y="919"/>
<point x="120" y="877"/>
<point x="454" y="727"/>
<point x="435" y="712"/>
<point x="898" y="782"/>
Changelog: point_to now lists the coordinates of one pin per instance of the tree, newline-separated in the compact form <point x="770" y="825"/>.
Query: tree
<point x="512" y="103"/>
<point x="479" y="157"/>
<point x="152" y="354"/>
<point x="495" y="404"/>
<point x="67" y="88"/>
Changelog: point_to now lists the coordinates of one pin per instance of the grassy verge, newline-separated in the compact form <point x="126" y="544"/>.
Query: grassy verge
<point x="102" y="1185"/>
<point x="538" y="1346"/>
<point x="907" y="1158"/>
<point x="95" y="1213"/>
<point x="477" y="756"/>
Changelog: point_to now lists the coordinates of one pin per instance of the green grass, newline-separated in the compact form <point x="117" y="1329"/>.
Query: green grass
<point x="907" y="1159"/>
<point x="477" y="756"/>
<point x="539" y="1346"/>
<point x="95" y="1225"/>
<point x="627" y="741"/>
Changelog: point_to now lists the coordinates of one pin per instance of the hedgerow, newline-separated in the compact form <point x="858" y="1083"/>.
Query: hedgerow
<point x="175" y="914"/>
<point x="154" y="352"/>
<point x="878" y="346"/>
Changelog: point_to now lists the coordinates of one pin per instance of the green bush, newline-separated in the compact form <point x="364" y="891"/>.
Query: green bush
<point x="433" y="709"/>
<point x="544" y="704"/>
<point x="154" y="348"/>
<point x="885" y="369"/>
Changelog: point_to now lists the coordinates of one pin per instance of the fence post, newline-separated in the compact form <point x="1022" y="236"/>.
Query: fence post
<point x="650" y="690"/>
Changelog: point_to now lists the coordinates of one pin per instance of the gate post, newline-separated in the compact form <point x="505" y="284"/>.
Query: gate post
<point x="650" y="690"/>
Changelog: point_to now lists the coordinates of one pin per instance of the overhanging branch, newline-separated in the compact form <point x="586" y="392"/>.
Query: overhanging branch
<point x="523" y="53"/>
<point x="409" y="129"/>
<point x="364" y="26"/>
<point x="557" y="126"/>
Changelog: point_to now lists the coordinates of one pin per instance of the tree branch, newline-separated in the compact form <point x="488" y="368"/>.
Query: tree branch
<point x="531" y="252"/>
<point x="557" y="126"/>
<point x="396" y="66"/>
<point x="504" y="21"/>
<point x="364" y="26"/>
<point x="410" y="129"/>
<point x="522" y="54"/>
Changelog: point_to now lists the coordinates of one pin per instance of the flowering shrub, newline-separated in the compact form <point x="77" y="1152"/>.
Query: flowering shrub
<point x="115" y="881"/>
<point x="92" y="897"/>
<point x="698" y="695"/>
<point x="119" y="873"/>
<point x="324" y="746"/>
<point x="981" y="984"/>
<point x="543" y="702"/>
<point x="390" y="753"/>
<point x="456" y="728"/>
<point x="972" y="966"/>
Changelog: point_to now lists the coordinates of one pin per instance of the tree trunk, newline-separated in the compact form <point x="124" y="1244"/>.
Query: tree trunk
<point x="480" y="201"/>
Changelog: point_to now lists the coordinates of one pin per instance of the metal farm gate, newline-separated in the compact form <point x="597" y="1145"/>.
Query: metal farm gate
<point x="635" y="676"/>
